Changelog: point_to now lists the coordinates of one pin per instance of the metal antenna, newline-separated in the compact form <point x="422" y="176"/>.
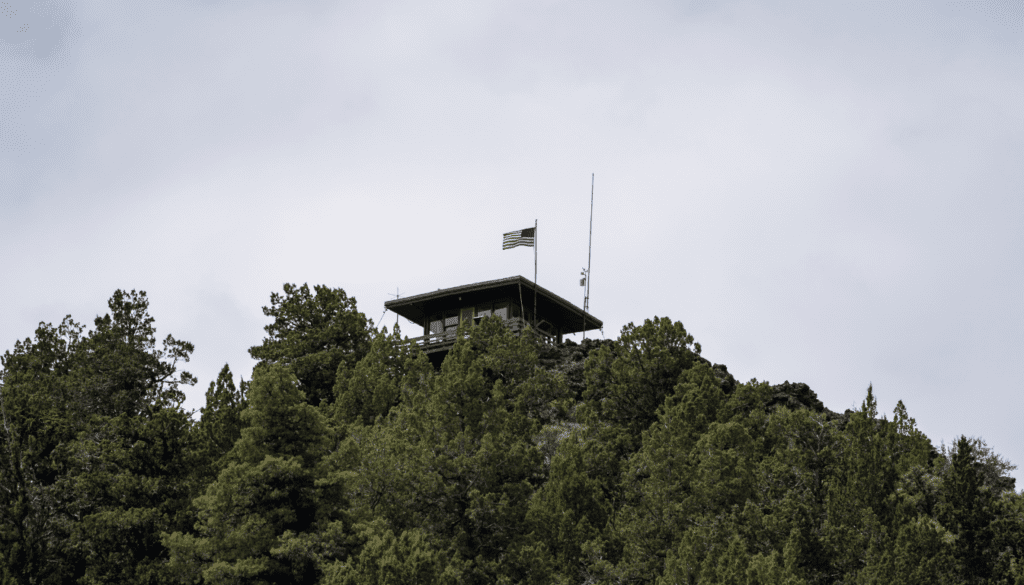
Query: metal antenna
<point x="396" y="295"/>
<point x="590" y="242"/>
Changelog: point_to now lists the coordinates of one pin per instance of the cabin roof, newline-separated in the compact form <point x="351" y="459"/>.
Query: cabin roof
<point x="563" y="315"/>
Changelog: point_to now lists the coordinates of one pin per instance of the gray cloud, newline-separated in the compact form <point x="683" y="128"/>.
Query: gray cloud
<point x="37" y="29"/>
<point x="36" y="41"/>
<point x="822" y="193"/>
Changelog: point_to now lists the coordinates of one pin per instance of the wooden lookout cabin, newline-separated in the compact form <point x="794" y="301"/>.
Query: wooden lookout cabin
<point x="512" y="299"/>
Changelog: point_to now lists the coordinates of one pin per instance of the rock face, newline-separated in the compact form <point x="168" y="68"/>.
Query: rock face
<point x="569" y="357"/>
<point x="795" y="395"/>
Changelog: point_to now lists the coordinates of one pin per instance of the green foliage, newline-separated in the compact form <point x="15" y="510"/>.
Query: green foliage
<point x="570" y="512"/>
<point x="728" y="562"/>
<point x="409" y="558"/>
<point x="125" y="482"/>
<point x="220" y="424"/>
<point x="628" y="381"/>
<point x="662" y="475"/>
<point x="375" y="384"/>
<point x="922" y="553"/>
<point x="279" y="421"/>
<point x="314" y="333"/>
<point x="38" y="413"/>
<point x="95" y="450"/>
<point x="266" y="518"/>
<point x="966" y="510"/>
<point x="857" y="505"/>
<point x="349" y="459"/>
<point x="456" y="457"/>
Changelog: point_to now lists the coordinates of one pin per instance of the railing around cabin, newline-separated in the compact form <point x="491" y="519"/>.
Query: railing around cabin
<point x="442" y="339"/>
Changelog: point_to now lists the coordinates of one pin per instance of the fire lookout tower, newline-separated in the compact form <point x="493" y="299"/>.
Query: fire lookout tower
<point x="512" y="299"/>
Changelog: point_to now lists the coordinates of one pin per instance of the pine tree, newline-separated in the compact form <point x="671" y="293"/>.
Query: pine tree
<point x="456" y="458"/>
<point x="220" y="423"/>
<point x="375" y="385"/>
<point x="266" y="518"/>
<point x="314" y="333"/>
<point x="966" y="511"/>
<point x="97" y="448"/>
<point x="627" y="382"/>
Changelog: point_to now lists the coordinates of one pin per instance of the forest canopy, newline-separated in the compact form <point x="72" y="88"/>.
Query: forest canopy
<point x="348" y="458"/>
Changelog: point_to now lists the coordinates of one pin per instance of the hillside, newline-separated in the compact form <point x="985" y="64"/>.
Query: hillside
<point x="349" y="459"/>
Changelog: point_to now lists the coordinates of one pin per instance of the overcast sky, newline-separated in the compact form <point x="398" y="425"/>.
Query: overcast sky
<point x="821" y="192"/>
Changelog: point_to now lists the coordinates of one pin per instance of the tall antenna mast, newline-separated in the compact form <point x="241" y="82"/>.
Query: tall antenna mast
<point x="396" y="295"/>
<point x="590" y="243"/>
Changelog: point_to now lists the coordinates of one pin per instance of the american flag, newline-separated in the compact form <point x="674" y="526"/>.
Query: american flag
<point x="524" y="237"/>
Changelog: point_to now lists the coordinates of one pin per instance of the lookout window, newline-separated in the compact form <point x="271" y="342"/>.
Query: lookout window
<point x="501" y="310"/>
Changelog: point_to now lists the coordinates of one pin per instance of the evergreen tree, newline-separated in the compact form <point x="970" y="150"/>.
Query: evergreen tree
<point x="798" y="458"/>
<point x="349" y="460"/>
<point x="97" y="445"/>
<point x="570" y="513"/>
<point x="457" y="459"/>
<point x="375" y="385"/>
<point x="266" y="518"/>
<point x="921" y="553"/>
<point x="384" y="557"/>
<point x="966" y="510"/>
<point x="628" y="381"/>
<point x="661" y="503"/>
<point x="220" y="423"/>
<point x="38" y="412"/>
<point x="314" y="333"/>
<point x="859" y="511"/>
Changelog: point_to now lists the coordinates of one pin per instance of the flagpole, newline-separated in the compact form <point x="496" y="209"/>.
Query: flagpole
<point x="524" y="238"/>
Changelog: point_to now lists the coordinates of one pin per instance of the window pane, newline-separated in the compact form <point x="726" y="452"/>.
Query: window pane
<point x="483" y="310"/>
<point x="436" y="326"/>
<point x="501" y="311"/>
